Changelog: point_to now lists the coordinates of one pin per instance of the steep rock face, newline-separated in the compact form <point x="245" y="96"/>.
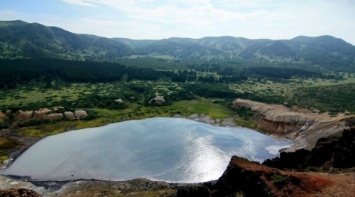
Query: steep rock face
<point x="237" y="178"/>
<point x="344" y="150"/>
<point x="305" y="129"/>
<point x="276" y="118"/>
<point x="334" y="151"/>
<point x="243" y="177"/>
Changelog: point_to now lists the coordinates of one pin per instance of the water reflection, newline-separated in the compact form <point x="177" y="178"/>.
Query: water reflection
<point x="169" y="149"/>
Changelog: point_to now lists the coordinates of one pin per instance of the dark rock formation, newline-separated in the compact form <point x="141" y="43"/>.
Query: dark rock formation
<point x="290" y="160"/>
<point x="18" y="193"/>
<point x="238" y="178"/>
<point x="344" y="150"/>
<point x="246" y="178"/>
<point x="194" y="191"/>
<point x="336" y="151"/>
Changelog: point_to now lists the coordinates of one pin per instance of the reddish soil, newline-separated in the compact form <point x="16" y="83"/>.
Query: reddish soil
<point x="288" y="183"/>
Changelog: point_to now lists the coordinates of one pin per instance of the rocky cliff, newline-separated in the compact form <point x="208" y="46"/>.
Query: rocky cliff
<point x="304" y="128"/>
<point x="337" y="151"/>
<point x="252" y="179"/>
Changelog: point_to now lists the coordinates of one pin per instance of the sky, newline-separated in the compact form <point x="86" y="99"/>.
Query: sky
<point x="159" y="19"/>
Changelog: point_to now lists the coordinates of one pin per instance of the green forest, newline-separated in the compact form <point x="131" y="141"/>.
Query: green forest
<point x="137" y="85"/>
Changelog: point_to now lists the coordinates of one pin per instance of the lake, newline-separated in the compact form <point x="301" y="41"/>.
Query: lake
<point x="167" y="149"/>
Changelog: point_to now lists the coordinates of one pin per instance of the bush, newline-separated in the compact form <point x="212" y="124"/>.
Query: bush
<point x="279" y="180"/>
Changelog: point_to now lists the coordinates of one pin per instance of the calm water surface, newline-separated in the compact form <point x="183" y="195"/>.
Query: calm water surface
<point x="169" y="149"/>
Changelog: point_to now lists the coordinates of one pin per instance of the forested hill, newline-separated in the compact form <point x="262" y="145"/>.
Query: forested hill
<point x="19" y="39"/>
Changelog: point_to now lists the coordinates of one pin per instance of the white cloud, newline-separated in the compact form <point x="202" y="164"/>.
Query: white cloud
<point x="81" y="2"/>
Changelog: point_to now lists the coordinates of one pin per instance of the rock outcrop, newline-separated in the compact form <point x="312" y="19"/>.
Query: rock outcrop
<point x="18" y="193"/>
<point x="158" y="100"/>
<point x="277" y="119"/>
<point x="54" y="116"/>
<point x="41" y="113"/>
<point x="246" y="178"/>
<point x="69" y="115"/>
<point x="305" y="129"/>
<point x="23" y="116"/>
<point x="77" y="114"/>
<point x="80" y="114"/>
<point x="334" y="151"/>
<point x="46" y="115"/>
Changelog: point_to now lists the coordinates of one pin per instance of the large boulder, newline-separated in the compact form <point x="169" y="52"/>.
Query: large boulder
<point x="23" y="116"/>
<point x="41" y="113"/>
<point x="54" y="116"/>
<point x="119" y="101"/>
<point x="80" y="114"/>
<point x="158" y="100"/>
<point x="69" y="115"/>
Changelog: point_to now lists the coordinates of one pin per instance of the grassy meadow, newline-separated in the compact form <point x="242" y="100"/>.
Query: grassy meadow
<point x="182" y="98"/>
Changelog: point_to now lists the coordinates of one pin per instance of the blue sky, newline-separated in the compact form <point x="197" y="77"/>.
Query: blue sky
<point x="157" y="19"/>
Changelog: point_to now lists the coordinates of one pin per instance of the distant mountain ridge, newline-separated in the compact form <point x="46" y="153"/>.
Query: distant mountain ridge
<point x="20" y="39"/>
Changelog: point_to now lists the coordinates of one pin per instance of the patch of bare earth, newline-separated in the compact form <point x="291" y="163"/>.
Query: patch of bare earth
<point x="254" y="179"/>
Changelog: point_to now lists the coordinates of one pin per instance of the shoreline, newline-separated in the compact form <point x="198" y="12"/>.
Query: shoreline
<point x="28" y="179"/>
<point x="201" y="118"/>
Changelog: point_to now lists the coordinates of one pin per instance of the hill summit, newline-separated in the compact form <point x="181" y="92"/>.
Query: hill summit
<point x="20" y="39"/>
